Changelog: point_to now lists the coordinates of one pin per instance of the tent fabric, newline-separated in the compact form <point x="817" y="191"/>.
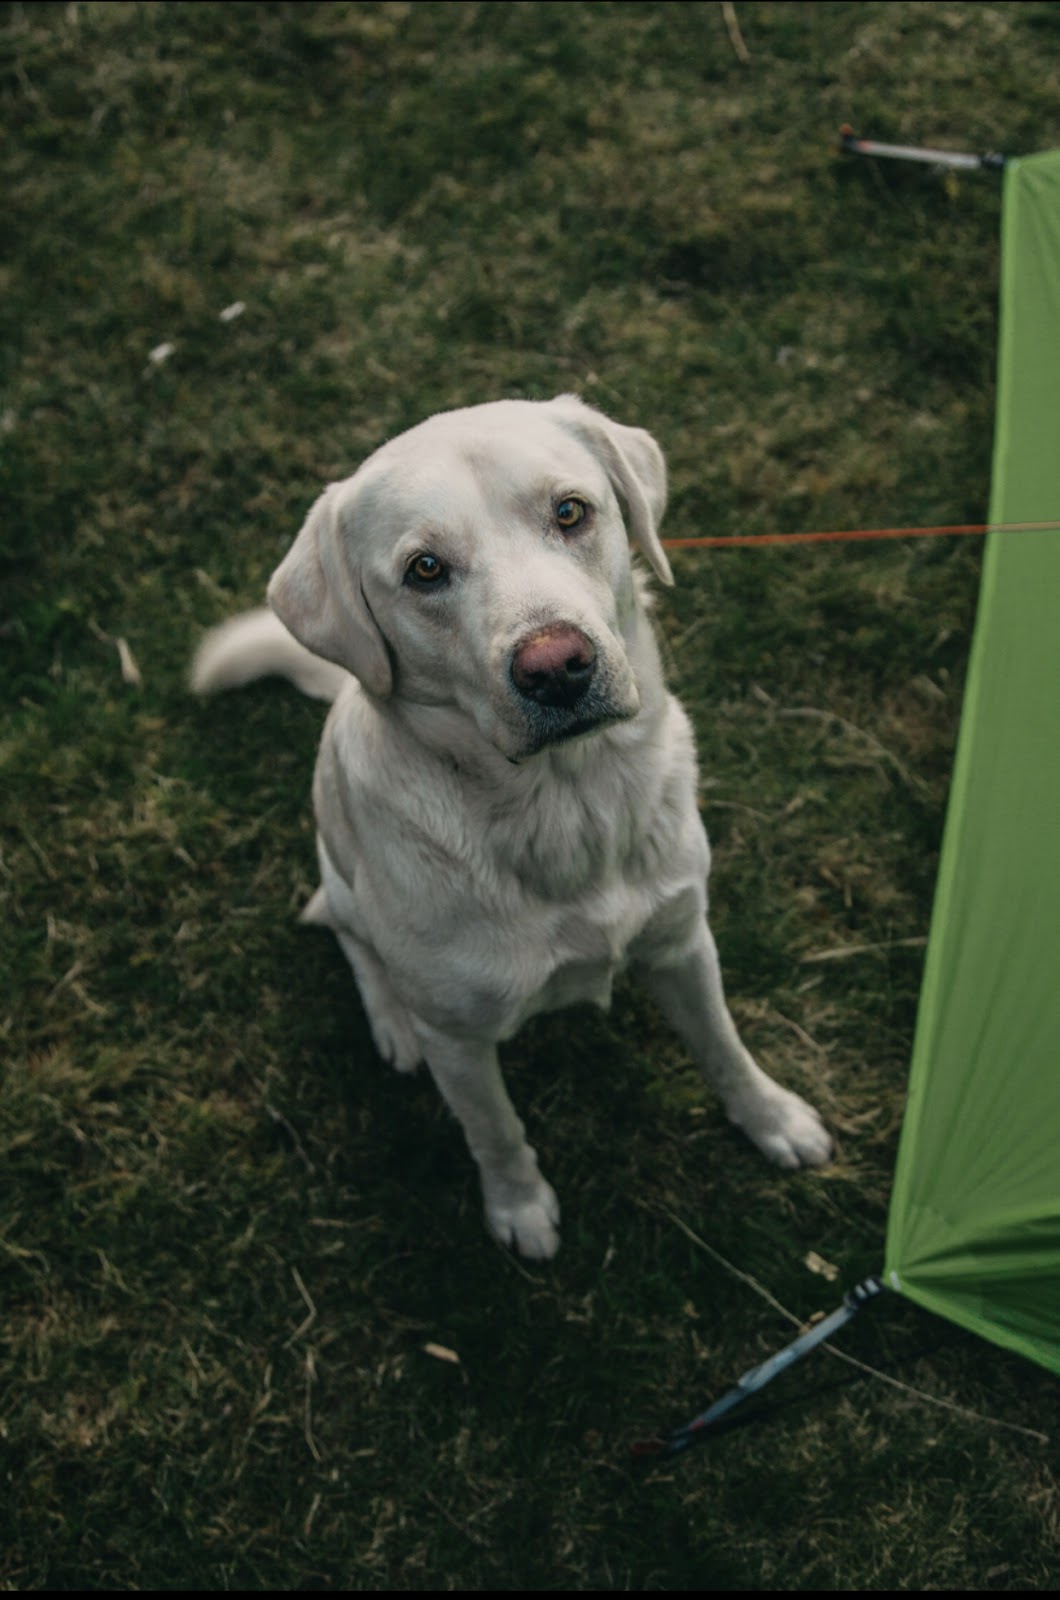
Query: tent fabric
<point x="974" y="1226"/>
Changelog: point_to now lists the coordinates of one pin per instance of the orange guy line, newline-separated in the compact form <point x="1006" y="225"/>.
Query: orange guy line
<point x="834" y="537"/>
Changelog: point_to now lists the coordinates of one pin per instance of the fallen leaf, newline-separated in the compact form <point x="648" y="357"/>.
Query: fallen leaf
<point x="441" y="1352"/>
<point x="819" y="1265"/>
<point x="129" y="670"/>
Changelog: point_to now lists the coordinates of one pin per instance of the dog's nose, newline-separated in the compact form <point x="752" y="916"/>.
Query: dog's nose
<point x="554" y="666"/>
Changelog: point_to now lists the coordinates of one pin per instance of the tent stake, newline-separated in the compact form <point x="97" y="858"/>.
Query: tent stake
<point x="679" y="1439"/>
<point x="854" y="146"/>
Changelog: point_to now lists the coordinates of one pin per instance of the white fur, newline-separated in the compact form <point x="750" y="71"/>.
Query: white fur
<point x="481" y="858"/>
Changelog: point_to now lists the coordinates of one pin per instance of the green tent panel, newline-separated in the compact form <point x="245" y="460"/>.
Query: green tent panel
<point x="974" y="1227"/>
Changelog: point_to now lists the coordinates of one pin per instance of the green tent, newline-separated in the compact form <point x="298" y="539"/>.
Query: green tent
<point x="974" y="1230"/>
<point x="974" y="1227"/>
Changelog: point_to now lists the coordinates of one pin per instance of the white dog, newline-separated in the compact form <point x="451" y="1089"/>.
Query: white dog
<point x="505" y="792"/>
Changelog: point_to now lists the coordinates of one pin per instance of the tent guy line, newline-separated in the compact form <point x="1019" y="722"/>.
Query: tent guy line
<point x="838" y="535"/>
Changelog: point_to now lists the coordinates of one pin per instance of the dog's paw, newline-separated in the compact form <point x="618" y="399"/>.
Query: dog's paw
<point x="785" y="1128"/>
<point x="530" y="1221"/>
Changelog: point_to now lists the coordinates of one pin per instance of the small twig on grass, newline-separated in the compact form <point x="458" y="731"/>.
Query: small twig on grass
<point x="278" y="1116"/>
<point x="799" y="1031"/>
<point x="310" y="1379"/>
<point x="45" y="865"/>
<point x="728" y="11"/>
<point x="130" y="672"/>
<point x="476" y="1538"/>
<point x="881" y="750"/>
<point x="198" y="1375"/>
<point x="66" y="979"/>
<point x="69" y="981"/>
<point x="841" y="1355"/>
<point x="21" y="1255"/>
<point x="841" y="952"/>
<point x="307" y="1526"/>
<point x="304" y="1326"/>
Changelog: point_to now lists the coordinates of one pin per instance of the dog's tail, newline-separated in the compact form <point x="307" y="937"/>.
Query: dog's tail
<point x="257" y="645"/>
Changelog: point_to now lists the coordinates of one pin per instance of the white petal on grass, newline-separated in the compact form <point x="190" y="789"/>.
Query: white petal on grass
<point x="129" y="670"/>
<point x="441" y="1352"/>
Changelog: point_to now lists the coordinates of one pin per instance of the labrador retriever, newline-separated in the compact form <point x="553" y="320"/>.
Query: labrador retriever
<point x="505" y="792"/>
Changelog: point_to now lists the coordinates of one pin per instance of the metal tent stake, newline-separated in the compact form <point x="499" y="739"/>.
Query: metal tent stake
<point x="854" y="146"/>
<point x="671" y="1444"/>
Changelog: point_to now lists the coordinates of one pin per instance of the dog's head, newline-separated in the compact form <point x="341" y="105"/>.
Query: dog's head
<point x="481" y="561"/>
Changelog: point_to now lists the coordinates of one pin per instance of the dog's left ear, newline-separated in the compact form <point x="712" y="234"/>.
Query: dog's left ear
<point x="635" y="465"/>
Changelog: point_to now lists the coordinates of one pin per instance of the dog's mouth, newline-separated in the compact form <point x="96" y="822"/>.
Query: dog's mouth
<point x="545" y="730"/>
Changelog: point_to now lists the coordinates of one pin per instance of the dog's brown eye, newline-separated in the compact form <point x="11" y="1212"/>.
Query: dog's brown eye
<point x="570" y="512"/>
<point x="425" y="569"/>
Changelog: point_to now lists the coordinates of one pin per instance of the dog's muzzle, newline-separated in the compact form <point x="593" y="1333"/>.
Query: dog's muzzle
<point x="554" y="666"/>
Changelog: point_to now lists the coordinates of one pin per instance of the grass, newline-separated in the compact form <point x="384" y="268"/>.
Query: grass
<point x="228" y="1234"/>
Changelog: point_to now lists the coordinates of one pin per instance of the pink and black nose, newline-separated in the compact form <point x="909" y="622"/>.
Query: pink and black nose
<point x="555" y="666"/>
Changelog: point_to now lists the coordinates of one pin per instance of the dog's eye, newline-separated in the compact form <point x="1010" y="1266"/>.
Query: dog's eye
<point x="426" y="570"/>
<point x="570" y="512"/>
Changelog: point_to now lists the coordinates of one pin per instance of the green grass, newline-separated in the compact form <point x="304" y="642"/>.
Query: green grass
<point x="227" y="1232"/>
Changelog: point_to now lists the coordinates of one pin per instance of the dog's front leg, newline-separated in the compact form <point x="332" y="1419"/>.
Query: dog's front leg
<point x="690" y="995"/>
<point x="521" y="1208"/>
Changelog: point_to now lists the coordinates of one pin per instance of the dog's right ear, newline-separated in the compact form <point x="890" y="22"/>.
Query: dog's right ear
<point x="317" y="594"/>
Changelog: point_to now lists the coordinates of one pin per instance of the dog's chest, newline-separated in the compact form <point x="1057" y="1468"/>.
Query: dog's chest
<point x="583" y="948"/>
<point x="486" y="905"/>
<point x="600" y="887"/>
